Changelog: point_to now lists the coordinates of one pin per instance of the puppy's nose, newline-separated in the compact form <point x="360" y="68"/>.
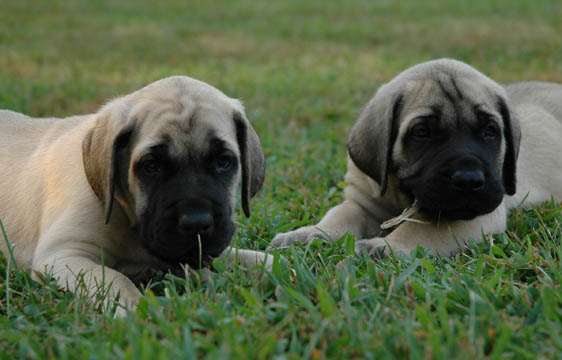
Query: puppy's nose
<point x="468" y="180"/>
<point x="196" y="222"/>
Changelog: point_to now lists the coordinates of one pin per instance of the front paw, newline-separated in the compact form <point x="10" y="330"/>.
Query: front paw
<point x="303" y="235"/>
<point x="125" y="306"/>
<point x="121" y="312"/>
<point x="375" y="248"/>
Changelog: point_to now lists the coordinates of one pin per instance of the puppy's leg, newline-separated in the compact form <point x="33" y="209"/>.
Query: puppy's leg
<point x="249" y="258"/>
<point x="442" y="238"/>
<point x="348" y="217"/>
<point x="79" y="270"/>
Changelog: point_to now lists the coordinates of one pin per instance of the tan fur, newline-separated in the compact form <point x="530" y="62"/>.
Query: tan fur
<point x="536" y="106"/>
<point x="56" y="178"/>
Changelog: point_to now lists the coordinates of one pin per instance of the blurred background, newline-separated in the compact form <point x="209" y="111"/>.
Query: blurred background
<point x="302" y="68"/>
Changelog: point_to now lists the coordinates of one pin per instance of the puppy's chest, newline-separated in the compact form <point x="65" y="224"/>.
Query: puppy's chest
<point x="128" y="255"/>
<point x="141" y="269"/>
<point x="138" y="264"/>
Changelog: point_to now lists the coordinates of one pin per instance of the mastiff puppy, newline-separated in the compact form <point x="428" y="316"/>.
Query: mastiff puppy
<point x="453" y="148"/>
<point x="149" y="181"/>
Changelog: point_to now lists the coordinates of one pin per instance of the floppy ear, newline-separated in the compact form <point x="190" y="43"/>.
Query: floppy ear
<point x="372" y="137"/>
<point x="252" y="158"/>
<point x="512" y="135"/>
<point x="99" y="154"/>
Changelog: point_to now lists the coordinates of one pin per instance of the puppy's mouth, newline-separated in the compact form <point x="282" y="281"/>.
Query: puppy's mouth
<point x="459" y="208"/>
<point x="464" y="213"/>
<point x="195" y="239"/>
<point x="196" y="251"/>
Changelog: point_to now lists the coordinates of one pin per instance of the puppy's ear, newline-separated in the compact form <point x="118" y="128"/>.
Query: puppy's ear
<point x="372" y="137"/>
<point x="252" y="158"/>
<point x="100" y="147"/>
<point x="512" y="136"/>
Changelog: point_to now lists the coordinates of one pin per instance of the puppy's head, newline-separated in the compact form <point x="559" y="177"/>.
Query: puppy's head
<point x="172" y="156"/>
<point x="446" y="133"/>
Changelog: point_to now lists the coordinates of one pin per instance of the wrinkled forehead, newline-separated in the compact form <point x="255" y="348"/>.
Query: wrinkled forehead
<point x="450" y="96"/>
<point x="184" y="126"/>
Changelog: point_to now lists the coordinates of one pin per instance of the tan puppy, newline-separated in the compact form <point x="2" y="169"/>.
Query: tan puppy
<point x="464" y="148"/>
<point x="149" y="181"/>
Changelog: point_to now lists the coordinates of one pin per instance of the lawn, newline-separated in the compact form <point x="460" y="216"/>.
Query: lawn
<point x="303" y="70"/>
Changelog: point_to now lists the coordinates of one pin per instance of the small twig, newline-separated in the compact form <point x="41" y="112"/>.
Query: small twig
<point x="405" y="216"/>
<point x="200" y="251"/>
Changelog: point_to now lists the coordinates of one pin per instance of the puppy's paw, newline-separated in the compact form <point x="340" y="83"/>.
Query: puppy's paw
<point x="251" y="258"/>
<point x="303" y="235"/>
<point x="121" y="312"/>
<point x="375" y="248"/>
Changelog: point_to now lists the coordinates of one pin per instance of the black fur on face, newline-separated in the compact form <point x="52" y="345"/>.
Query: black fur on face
<point x="186" y="198"/>
<point x="454" y="173"/>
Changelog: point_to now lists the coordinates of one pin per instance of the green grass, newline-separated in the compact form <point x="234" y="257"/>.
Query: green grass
<point x="303" y="70"/>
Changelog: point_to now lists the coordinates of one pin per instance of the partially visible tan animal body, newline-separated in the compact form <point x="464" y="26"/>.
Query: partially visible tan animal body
<point x="143" y="183"/>
<point x="463" y="148"/>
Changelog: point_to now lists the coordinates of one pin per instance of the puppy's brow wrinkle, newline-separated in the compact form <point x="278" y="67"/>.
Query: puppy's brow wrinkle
<point x="222" y="139"/>
<point x="191" y="120"/>
<point x="148" y="110"/>
<point x="459" y="94"/>
<point x="182" y="124"/>
<point x="186" y="120"/>
<point x="436" y="111"/>
<point x="445" y="91"/>
<point x="450" y="89"/>
<point x="180" y="107"/>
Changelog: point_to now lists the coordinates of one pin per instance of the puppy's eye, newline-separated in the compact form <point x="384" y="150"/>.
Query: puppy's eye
<point x="150" y="165"/>
<point x="224" y="162"/>
<point x="421" y="131"/>
<point x="490" y="131"/>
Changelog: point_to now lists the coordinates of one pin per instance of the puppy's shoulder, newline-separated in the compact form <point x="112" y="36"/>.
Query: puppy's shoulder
<point x="365" y="191"/>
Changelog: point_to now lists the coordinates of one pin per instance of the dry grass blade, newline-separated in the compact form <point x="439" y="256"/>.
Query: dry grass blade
<point x="406" y="215"/>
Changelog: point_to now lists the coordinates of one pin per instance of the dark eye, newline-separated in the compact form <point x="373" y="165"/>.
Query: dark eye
<point x="490" y="131"/>
<point x="421" y="131"/>
<point x="224" y="162"/>
<point x="149" y="165"/>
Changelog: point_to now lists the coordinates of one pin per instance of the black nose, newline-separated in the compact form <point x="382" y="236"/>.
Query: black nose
<point x="468" y="180"/>
<point x="196" y="222"/>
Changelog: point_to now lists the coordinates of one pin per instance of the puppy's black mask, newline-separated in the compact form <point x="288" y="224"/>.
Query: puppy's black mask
<point x="457" y="174"/>
<point x="188" y="219"/>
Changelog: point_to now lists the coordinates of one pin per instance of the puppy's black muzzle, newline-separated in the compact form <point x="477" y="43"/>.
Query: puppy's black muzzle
<point x="460" y="187"/>
<point x="187" y="223"/>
